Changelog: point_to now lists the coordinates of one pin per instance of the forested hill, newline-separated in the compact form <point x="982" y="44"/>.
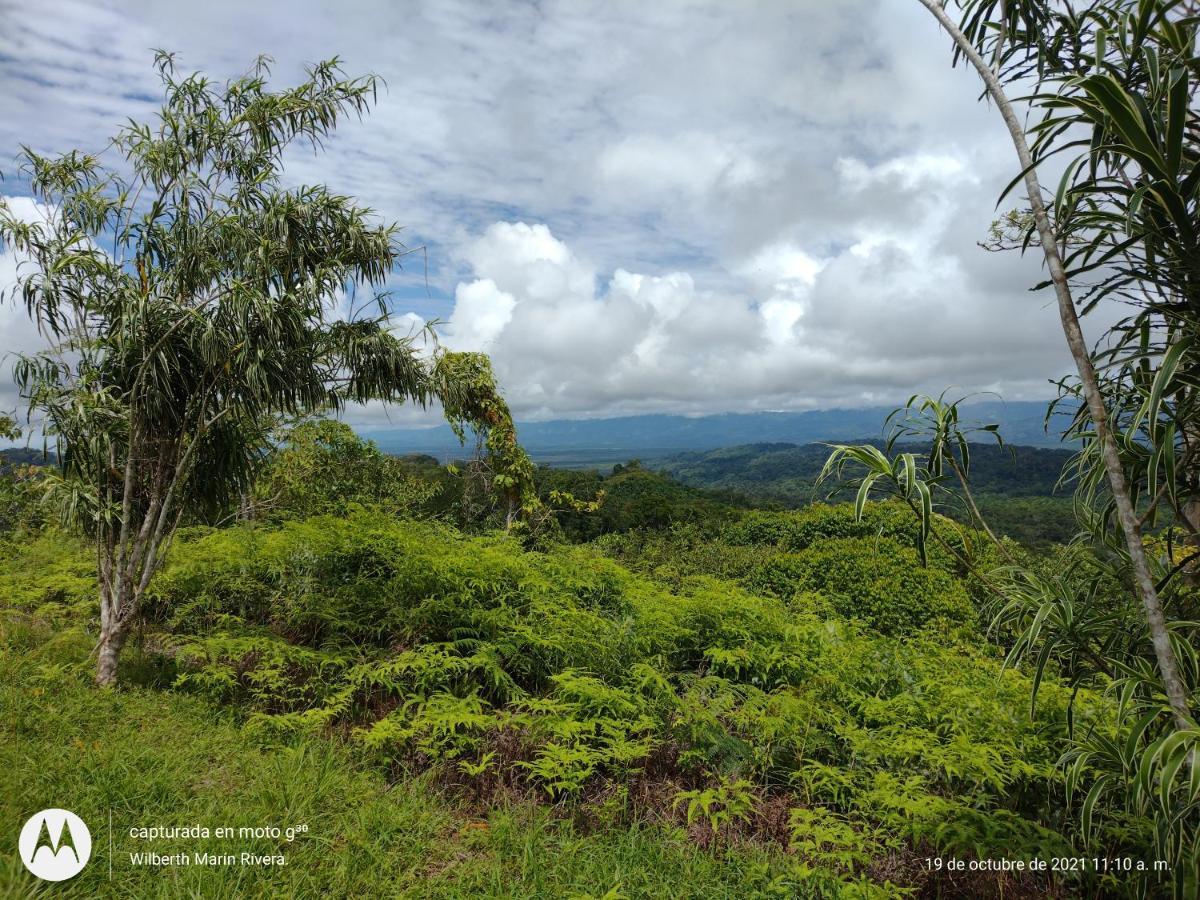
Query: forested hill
<point x="787" y="472"/>
<point x="24" y="456"/>
<point x="1016" y="485"/>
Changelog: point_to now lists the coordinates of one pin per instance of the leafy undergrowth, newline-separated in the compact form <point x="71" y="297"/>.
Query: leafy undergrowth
<point x="158" y="758"/>
<point x="665" y="735"/>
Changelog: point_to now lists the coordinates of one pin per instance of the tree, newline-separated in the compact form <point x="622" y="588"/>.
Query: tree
<point x="9" y="429"/>
<point x="1112" y="82"/>
<point x="188" y="297"/>
<point x="993" y="23"/>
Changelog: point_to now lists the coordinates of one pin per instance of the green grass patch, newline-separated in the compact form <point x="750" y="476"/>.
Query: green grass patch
<point x="149" y="758"/>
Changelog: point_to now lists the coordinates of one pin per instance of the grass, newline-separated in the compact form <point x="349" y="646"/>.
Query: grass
<point x="154" y="758"/>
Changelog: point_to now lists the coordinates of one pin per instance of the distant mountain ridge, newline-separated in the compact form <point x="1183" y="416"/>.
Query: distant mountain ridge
<point x="649" y="436"/>
<point x="587" y="442"/>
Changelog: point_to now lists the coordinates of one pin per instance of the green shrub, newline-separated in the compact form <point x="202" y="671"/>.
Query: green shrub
<point x="321" y="467"/>
<point x="49" y="573"/>
<point x="877" y="580"/>
<point x="681" y="552"/>
<point x="795" y="531"/>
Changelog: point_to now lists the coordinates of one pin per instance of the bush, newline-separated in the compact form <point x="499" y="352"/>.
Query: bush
<point x="321" y="467"/>
<point x="49" y="573"/>
<point x="877" y="580"/>
<point x="561" y="672"/>
<point x="795" y="531"/>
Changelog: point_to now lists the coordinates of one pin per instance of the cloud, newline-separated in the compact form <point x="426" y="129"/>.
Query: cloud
<point x="905" y="172"/>
<point x="689" y="166"/>
<point x="481" y="310"/>
<point x="18" y="332"/>
<point x="799" y="332"/>
<point x="684" y="206"/>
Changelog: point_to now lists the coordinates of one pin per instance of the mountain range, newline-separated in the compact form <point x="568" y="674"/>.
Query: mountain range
<point x="587" y="441"/>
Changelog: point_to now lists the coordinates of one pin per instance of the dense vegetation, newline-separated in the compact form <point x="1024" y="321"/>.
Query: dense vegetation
<point x="1017" y="488"/>
<point x="151" y="757"/>
<point x="791" y="695"/>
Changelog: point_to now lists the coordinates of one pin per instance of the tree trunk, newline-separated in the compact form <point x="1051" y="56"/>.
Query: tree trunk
<point x="1191" y="508"/>
<point x="115" y="622"/>
<point x="112" y="639"/>
<point x="1168" y="667"/>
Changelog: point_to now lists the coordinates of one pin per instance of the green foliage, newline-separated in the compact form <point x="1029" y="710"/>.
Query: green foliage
<point x="828" y="840"/>
<point x="22" y="498"/>
<point x="321" y="467"/>
<point x="1111" y="83"/>
<point x="48" y="574"/>
<point x="155" y="758"/>
<point x="674" y="555"/>
<point x="191" y="301"/>
<point x="634" y="499"/>
<point x="21" y="494"/>
<point x="1017" y="488"/>
<point x="671" y="692"/>
<point x="9" y="430"/>
<point x="471" y="397"/>
<point x="1037" y="522"/>
<point x="793" y="532"/>
<point x="877" y="580"/>
<point x="813" y="679"/>
<point x="182" y="347"/>
<point x="729" y="801"/>
<point x="825" y="557"/>
<point x="560" y="672"/>
<point x="896" y="470"/>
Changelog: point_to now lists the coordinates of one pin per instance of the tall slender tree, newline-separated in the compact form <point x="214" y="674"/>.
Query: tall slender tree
<point x="1024" y="21"/>
<point x="188" y="298"/>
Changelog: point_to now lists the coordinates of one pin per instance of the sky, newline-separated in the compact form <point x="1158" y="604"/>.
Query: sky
<point x="633" y="207"/>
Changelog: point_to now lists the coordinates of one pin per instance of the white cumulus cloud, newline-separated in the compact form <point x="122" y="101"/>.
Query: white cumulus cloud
<point x="796" y="331"/>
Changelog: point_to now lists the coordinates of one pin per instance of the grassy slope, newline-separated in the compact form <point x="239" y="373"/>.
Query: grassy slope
<point x="886" y="714"/>
<point x="156" y="758"/>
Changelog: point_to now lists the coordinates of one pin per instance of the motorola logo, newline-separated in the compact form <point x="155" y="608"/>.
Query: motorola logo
<point x="55" y="844"/>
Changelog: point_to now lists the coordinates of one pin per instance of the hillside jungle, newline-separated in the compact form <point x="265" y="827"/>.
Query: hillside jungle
<point x="659" y="691"/>
<point x="486" y="680"/>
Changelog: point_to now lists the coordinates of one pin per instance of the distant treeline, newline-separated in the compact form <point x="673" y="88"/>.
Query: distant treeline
<point x="1017" y="488"/>
<point x="24" y="456"/>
